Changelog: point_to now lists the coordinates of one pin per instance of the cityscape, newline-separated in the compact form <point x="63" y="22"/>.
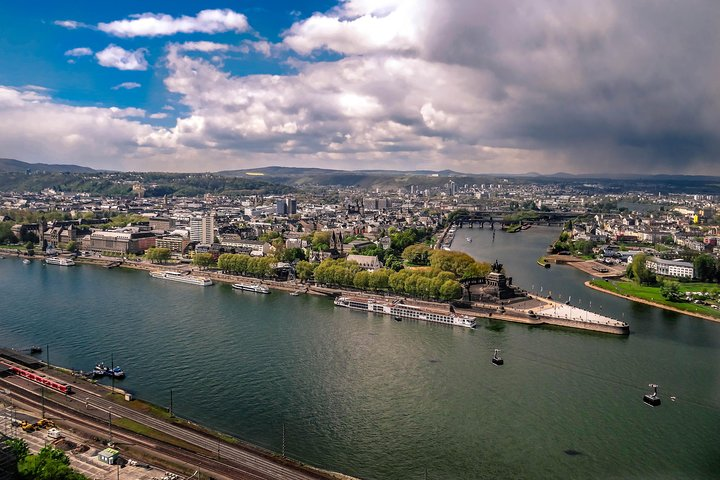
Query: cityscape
<point x="338" y="240"/>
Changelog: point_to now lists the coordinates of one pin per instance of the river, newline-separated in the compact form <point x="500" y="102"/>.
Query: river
<point x="380" y="399"/>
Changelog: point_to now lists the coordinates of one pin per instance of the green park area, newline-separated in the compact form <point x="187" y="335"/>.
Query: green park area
<point x="691" y="297"/>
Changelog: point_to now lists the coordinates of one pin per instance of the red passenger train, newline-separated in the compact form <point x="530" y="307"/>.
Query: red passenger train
<point x="37" y="378"/>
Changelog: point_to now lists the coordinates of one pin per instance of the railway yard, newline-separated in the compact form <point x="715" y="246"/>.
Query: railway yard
<point x="90" y="418"/>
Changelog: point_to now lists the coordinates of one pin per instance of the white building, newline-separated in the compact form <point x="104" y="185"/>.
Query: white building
<point x="202" y="229"/>
<point x="670" y="268"/>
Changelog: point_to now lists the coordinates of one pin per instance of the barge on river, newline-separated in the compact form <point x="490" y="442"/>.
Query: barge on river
<point x="397" y="309"/>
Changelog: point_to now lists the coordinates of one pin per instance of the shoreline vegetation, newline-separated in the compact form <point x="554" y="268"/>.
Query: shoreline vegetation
<point x="630" y="291"/>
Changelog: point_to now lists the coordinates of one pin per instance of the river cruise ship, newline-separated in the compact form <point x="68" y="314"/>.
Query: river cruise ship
<point x="251" y="287"/>
<point x="62" y="261"/>
<point x="183" y="278"/>
<point x="400" y="310"/>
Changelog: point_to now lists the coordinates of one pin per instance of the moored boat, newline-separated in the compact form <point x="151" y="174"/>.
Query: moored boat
<point x="399" y="310"/>
<point x="102" y="370"/>
<point x="181" y="277"/>
<point x="251" y="287"/>
<point x="62" y="261"/>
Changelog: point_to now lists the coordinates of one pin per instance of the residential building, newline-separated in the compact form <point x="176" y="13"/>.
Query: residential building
<point x="670" y="268"/>
<point x="202" y="229"/>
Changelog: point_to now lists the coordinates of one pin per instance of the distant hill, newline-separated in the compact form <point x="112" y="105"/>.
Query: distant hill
<point x="299" y="176"/>
<point x="11" y="165"/>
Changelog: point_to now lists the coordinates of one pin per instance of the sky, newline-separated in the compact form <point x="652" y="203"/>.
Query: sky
<point x="476" y="86"/>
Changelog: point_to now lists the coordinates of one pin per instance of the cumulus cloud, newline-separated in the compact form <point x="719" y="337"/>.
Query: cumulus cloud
<point x="473" y="85"/>
<point x="35" y="128"/>
<point x="78" y="52"/>
<point x="70" y="24"/>
<point x="202" y="46"/>
<point x="117" y="57"/>
<point x="154" y="24"/>
<point x="586" y="84"/>
<point x="360" y="27"/>
<point x="158" y="115"/>
<point x="127" y="86"/>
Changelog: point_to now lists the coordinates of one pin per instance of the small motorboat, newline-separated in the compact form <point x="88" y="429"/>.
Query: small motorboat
<point x="26" y="261"/>
<point x="496" y="359"/>
<point x="102" y="370"/>
<point x="652" y="399"/>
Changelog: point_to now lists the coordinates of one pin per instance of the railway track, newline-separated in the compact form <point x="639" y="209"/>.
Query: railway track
<point x="92" y="411"/>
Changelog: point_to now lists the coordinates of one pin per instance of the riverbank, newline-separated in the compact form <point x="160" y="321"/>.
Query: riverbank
<point x="194" y="444"/>
<point x="589" y="284"/>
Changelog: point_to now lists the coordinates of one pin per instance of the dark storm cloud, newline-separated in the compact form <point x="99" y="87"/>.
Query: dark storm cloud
<point x="631" y="78"/>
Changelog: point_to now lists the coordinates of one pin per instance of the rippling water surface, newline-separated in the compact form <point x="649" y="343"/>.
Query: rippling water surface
<point x="381" y="399"/>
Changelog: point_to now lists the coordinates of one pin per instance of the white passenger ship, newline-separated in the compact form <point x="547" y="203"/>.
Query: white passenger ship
<point x="62" y="261"/>
<point x="401" y="310"/>
<point x="251" y="287"/>
<point x="181" y="277"/>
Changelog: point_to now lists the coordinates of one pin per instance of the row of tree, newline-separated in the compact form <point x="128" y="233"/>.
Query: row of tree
<point x="428" y="283"/>
<point x="460" y="264"/>
<point x="240" y="264"/>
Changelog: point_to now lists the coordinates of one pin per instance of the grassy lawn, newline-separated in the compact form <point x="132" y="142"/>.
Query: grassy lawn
<point x="150" y="432"/>
<point x="163" y="414"/>
<point x="652" y="294"/>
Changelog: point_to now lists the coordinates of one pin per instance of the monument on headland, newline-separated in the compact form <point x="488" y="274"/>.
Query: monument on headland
<point x="494" y="287"/>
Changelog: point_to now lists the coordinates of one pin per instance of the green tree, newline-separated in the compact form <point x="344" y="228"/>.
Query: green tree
<point x="641" y="274"/>
<point x="203" y="260"/>
<point x="379" y="279"/>
<point x="705" y="267"/>
<point x="304" y="270"/>
<point x="6" y="233"/>
<point x="451" y="290"/>
<point x="458" y="263"/>
<point x="320" y="241"/>
<point x="291" y="254"/>
<point x="417" y="254"/>
<point x="72" y="246"/>
<point x="362" y="280"/>
<point x="19" y="447"/>
<point x="671" y="291"/>
<point x="49" y="464"/>
<point x="157" y="255"/>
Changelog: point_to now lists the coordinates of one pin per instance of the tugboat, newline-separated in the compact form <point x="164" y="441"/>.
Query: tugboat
<point x="496" y="359"/>
<point x="652" y="399"/>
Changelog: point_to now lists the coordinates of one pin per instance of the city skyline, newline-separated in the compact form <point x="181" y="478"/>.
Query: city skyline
<point x="471" y="86"/>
